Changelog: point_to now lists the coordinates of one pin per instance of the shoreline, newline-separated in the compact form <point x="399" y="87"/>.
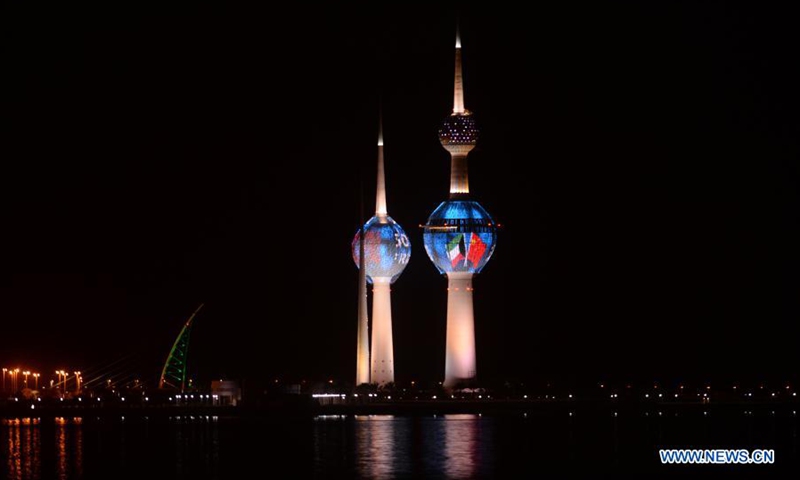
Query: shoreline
<point x="307" y="409"/>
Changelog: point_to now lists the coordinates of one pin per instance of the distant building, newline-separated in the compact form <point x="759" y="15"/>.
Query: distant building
<point x="292" y="389"/>
<point x="226" y="392"/>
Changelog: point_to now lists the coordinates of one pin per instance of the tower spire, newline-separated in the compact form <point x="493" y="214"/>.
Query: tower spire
<point x="458" y="90"/>
<point x="380" y="198"/>
<point x="458" y="133"/>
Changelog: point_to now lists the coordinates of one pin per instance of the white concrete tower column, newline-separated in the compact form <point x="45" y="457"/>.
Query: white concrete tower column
<point x="460" y="358"/>
<point x="382" y="357"/>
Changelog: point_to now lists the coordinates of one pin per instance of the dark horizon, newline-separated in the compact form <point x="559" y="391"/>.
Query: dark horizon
<point x="642" y="159"/>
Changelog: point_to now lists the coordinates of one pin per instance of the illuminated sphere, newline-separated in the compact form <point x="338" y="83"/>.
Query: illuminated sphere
<point x="458" y="129"/>
<point x="460" y="236"/>
<point x="386" y="248"/>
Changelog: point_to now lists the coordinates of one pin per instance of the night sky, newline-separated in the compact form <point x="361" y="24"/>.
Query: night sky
<point x="642" y="159"/>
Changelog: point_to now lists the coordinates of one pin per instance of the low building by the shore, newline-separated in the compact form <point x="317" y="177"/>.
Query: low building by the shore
<point x="226" y="392"/>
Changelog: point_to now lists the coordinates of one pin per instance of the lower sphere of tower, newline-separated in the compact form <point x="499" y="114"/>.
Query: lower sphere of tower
<point x="386" y="248"/>
<point x="460" y="236"/>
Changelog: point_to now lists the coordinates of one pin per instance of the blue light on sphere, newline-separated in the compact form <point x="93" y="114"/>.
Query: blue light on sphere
<point x="386" y="248"/>
<point x="460" y="236"/>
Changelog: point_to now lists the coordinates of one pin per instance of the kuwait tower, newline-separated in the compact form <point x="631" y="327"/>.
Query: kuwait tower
<point x="459" y="238"/>
<point x="381" y="258"/>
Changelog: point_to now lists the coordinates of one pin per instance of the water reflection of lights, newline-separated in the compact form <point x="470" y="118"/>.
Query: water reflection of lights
<point x="24" y="446"/>
<point x="378" y="448"/>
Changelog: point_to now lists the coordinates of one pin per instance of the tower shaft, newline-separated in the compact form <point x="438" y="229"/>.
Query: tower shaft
<point x="459" y="178"/>
<point x="382" y="355"/>
<point x="459" y="365"/>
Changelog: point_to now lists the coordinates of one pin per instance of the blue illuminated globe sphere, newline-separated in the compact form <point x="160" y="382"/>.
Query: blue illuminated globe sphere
<point x="386" y="248"/>
<point x="460" y="236"/>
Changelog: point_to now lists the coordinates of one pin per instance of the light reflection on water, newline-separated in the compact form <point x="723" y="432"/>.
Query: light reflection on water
<point x="368" y="446"/>
<point x="37" y="449"/>
<point x="376" y="445"/>
<point x="462" y="455"/>
<point x="386" y="446"/>
<point x="23" y="448"/>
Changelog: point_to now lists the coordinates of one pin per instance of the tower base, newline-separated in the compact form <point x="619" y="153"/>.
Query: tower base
<point x="382" y="356"/>
<point x="460" y="362"/>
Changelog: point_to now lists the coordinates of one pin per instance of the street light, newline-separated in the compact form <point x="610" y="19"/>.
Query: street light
<point x="78" y="380"/>
<point x="5" y="370"/>
<point x="62" y="375"/>
<point x="26" y="373"/>
<point x="16" y="373"/>
<point x="36" y="381"/>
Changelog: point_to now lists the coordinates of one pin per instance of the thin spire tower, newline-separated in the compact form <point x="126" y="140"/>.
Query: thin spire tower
<point x="362" y="341"/>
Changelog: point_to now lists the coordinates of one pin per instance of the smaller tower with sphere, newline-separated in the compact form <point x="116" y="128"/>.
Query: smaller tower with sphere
<point x="386" y="252"/>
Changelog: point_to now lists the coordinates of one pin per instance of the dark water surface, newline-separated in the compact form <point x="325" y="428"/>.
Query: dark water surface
<point x="518" y="445"/>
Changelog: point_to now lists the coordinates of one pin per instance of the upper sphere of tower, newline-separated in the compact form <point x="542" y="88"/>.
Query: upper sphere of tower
<point x="386" y="248"/>
<point x="459" y="129"/>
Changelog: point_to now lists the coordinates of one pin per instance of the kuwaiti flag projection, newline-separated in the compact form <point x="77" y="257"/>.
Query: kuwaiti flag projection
<point x="456" y="250"/>
<point x="465" y="248"/>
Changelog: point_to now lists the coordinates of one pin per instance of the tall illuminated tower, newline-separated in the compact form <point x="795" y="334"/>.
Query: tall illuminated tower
<point x="459" y="237"/>
<point x="386" y="251"/>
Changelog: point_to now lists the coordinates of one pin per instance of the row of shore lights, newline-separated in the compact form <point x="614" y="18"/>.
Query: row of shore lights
<point x="705" y="395"/>
<point x="13" y="379"/>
